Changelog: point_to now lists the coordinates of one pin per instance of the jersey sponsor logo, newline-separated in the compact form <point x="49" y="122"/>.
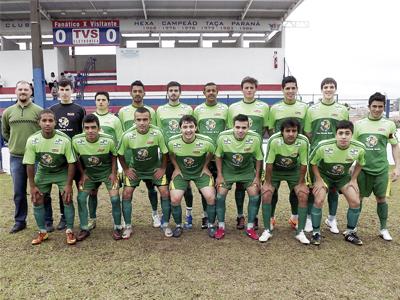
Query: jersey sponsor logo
<point x="199" y="145"/>
<point x="58" y="141"/>
<point x="196" y="152"/>
<point x="46" y="159"/>
<point x="249" y="141"/>
<point x="173" y="125"/>
<point x="227" y="141"/>
<point x="371" y="141"/>
<point x="94" y="161"/>
<point x="103" y="142"/>
<point x="237" y="159"/>
<point x="35" y="141"/>
<point x="80" y="142"/>
<point x="297" y="113"/>
<point x="285" y="162"/>
<point x="101" y="150"/>
<point x="63" y="122"/>
<point x="142" y="154"/>
<point x="211" y="124"/>
<point x="337" y="170"/>
<point x="177" y="145"/>
<point x="71" y="114"/>
<point x="188" y="162"/>
<point x="325" y="125"/>
<point x="247" y="149"/>
<point x="328" y="150"/>
<point x="55" y="150"/>
<point x="353" y="152"/>
<point x="150" y="142"/>
<point x="153" y="133"/>
<point x="132" y="136"/>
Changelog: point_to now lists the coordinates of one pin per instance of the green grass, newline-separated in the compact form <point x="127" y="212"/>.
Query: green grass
<point x="150" y="266"/>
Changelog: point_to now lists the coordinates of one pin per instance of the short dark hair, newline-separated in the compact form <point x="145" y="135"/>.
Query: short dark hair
<point x="328" y="80"/>
<point x="208" y="84"/>
<point x="138" y="83"/>
<point x="142" y="110"/>
<point x="187" y="119"/>
<point x="344" y="124"/>
<point x="90" y="118"/>
<point x="288" y="79"/>
<point x="46" y="111"/>
<point x="249" y="79"/>
<point x="65" y="82"/>
<point x="377" y="97"/>
<point x="174" y="83"/>
<point x="241" y="118"/>
<point x="103" y="94"/>
<point x="289" y="123"/>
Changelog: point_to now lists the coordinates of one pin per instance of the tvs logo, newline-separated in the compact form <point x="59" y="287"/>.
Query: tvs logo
<point x="237" y="159"/>
<point x="371" y="141"/>
<point x="173" y="125"/>
<point x="46" y="159"/>
<point x="188" y="162"/>
<point x="325" y="125"/>
<point x="210" y="124"/>
<point x="63" y="122"/>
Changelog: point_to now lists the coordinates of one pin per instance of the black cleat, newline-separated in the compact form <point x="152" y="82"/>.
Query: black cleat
<point x="316" y="239"/>
<point x="352" y="237"/>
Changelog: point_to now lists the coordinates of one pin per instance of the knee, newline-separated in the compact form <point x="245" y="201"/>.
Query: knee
<point x="164" y="193"/>
<point x="127" y="194"/>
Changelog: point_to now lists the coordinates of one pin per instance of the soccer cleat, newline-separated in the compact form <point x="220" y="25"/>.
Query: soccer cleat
<point x="272" y="223"/>
<point x="255" y="223"/>
<point x="92" y="224"/>
<point x="251" y="233"/>
<point x="167" y="231"/>
<point x="127" y="232"/>
<point x="384" y="233"/>
<point x="240" y="222"/>
<point x="42" y="236"/>
<point x="308" y="227"/>
<point x="71" y="240"/>
<point x="301" y="237"/>
<point x="177" y="232"/>
<point x="347" y="231"/>
<point x="156" y="221"/>
<point x="266" y="235"/>
<point x="352" y="237"/>
<point x="83" y="234"/>
<point x="316" y="239"/>
<point x="211" y="231"/>
<point x="332" y="225"/>
<point x="189" y="222"/>
<point x="204" y="223"/>
<point x="220" y="233"/>
<point x="293" y="222"/>
<point x="117" y="234"/>
<point x="62" y="224"/>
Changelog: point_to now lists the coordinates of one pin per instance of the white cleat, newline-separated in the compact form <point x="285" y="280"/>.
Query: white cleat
<point x="127" y="232"/>
<point x="332" y="226"/>
<point x="301" y="237"/>
<point x="384" y="233"/>
<point x="266" y="235"/>
<point x="308" y="227"/>
<point x="156" y="221"/>
<point x="167" y="231"/>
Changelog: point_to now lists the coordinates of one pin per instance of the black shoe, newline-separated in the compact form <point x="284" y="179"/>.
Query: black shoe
<point x="256" y="223"/>
<point x="62" y="224"/>
<point x="240" y="222"/>
<point x="177" y="231"/>
<point x="204" y="223"/>
<point x="49" y="227"/>
<point x="18" y="227"/>
<point x="352" y="237"/>
<point x="83" y="234"/>
<point x="316" y="239"/>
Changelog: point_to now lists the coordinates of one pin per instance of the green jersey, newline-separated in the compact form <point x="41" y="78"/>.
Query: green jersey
<point x="144" y="150"/>
<point x="375" y="135"/>
<point x="127" y="116"/>
<point x="211" y="119"/>
<point x="96" y="157"/>
<point x="334" y="162"/>
<point x="281" y="111"/>
<point x="110" y="124"/>
<point x="53" y="155"/>
<point x="321" y="121"/>
<point x="285" y="157"/>
<point x="191" y="157"/>
<point x="238" y="156"/>
<point x="168" y="117"/>
<point x="256" y="111"/>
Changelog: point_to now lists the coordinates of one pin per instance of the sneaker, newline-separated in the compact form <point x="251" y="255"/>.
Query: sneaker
<point x="251" y="233"/>
<point x="127" y="233"/>
<point x="332" y="225"/>
<point x="83" y="234"/>
<point x="384" y="233"/>
<point x="266" y="235"/>
<point x="42" y="236"/>
<point x="117" y="234"/>
<point x="316" y="239"/>
<point x="189" y="222"/>
<point x="301" y="237"/>
<point x="92" y="224"/>
<point x="293" y="222"/>
<point x="220" y="233"/>
<point x="49" y="227"/>
<point x="204" y="223"/>
<point x="272" y="223"/>
<point x="308" y="227"/>
<point x="240" y="222"/>
<point x="156" y="221"/>
<point x="62" y="224"/>
<point x="177" y="232"/>
<point x="167" y="231"/>
<point x="71" y="240"/>
<point x="352" y="237"/>
<point x="211" y="231"/>
<point x="255" y="224"/>
<point x="347" y="231"/>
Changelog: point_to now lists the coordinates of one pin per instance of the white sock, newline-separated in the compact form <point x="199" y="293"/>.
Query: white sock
<point x="189" y="211"/>
<point x="331" y="218"/>
<point x="294" y="217"/>
<point x="221" y="225"/>
<point x="241" y="215"/>
<point x="154" y="212"/>
<point x="250" y="225"/>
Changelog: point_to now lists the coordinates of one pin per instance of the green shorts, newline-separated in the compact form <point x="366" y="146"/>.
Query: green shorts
<point x="179" y="183"/>
<point x="44" y="182"/>
<point x="134" y="183"/>
<point x="94" y="184"/>
<point x="336" y="183"/>
<point x="292" y="179"/>
<point x="245" y="184"/>
<point x="378" y="184"/>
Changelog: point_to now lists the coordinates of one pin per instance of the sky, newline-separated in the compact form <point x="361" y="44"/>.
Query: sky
<point x="357" y="42"/>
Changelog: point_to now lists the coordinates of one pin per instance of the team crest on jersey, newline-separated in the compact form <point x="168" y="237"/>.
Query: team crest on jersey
<point x="189" y="162"/>
<point x="100" y="150"/>
<point x="211" y="124"/>
<point x="325" y="125"/>
<point x="250" y="122"/>
<point x="63" y="122"/>
<point x="237" y="159"/>
<point x="338" y="169"/>
<point x="46" y="159"/>
<point x="227" y="141"/>
<point x="58" y="141"/>
<point x="94" y="161"/>
<point x="371" y="141"/>
<point x="55" y="150"/>
<point x="173" y="125"/>
<point x="35" y="141"/>
<point x="285" y="162"/>
<point x="142" y="154"/>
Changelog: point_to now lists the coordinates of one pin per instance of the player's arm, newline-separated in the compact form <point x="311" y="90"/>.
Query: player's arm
<point x="5" y="128"/>
<point x="396" y="158"/>
<point x="129" y="172"/>
<point x="161" y="170"/>
<point x="67" y="193"/>
<point x="35" y="192"/>
<point x="177" y="170"/>
<point x="205" y="169"/>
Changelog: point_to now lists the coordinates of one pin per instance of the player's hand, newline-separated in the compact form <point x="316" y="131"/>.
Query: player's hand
<point x="395" y="175"/>
<point x="219" y="181"/>
<point x="267" y="188"/>
<point x="67" y="194"/>
<point x="318" y="186"/>
<point x="82" y="181"/>
<point x="353" y="184"/>
<point x="206" y="171"/>
<point x="159" y="173"/>
<point x="176" y="173"/>
<point x="301" y="188"/>
<point x="130" y="173"/>
<point x="35" y="195"/>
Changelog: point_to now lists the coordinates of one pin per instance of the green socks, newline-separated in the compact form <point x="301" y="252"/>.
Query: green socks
<point x="83" y="209"/>
<point x="166" y="209"/>
<point x="316" y="215"/>
<point x="177" y="213"/>
<point x="69" y="212"/>
<point x="240" y="193"/>
<point x="266" y="212"/>
<point x="211" y="213"/>
<point x="352" y="217"/>
<point x="382" y="210"/>
<point x="116" y="209"/>
<point x="127" y="211"/>
<point x="302" y="219"/>
<point x="92" y="206"/>
<point x="254" y="203"/>
<point x="38" y="212"/>
<point x="333" y="198"/>
<point x="220" y="207"/>
<point x="294" y="202"/>
<point x="153" y="197"/>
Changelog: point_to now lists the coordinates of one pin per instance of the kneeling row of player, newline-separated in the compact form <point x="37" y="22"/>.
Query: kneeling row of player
<point x="238" y="158"/>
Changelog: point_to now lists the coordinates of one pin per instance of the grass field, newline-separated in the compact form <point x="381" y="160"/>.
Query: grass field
<point x="150" y="266"/>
